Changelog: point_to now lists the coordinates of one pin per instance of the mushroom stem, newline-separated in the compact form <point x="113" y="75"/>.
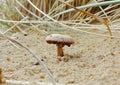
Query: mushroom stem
<point x="60" y="50"/>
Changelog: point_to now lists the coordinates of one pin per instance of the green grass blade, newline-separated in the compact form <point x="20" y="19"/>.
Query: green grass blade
<point x="88" y="6"/>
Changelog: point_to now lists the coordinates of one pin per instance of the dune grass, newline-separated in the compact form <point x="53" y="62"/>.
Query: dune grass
<point x="63" y="13"/>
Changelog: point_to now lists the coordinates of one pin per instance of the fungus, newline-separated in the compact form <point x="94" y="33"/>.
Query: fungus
<point x="60" y="41"/>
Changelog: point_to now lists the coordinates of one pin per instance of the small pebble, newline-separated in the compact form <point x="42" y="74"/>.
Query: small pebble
<point x="42" y="76"/>
<point x="59" y="58"/>
<point x="65" y="59"/>
<point x="37" y="63"/>
<point x="71" y="81"/>
<point x="8" y="59"/>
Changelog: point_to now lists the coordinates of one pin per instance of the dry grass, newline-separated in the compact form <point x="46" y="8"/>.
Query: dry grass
<point x="53" y="7"/>
<point x="46" y="10"/>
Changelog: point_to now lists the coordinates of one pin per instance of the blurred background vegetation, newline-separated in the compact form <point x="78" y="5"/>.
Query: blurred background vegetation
<point x="54" y="13"/>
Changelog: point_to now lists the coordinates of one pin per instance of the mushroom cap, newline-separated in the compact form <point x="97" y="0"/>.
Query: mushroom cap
<point x="59" y="39"/>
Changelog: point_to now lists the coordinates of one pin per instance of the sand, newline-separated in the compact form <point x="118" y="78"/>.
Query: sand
<point x="92" y="60"/>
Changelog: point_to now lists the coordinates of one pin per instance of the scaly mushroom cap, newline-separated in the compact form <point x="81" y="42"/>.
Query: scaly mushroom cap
<point x="59" y="39"/>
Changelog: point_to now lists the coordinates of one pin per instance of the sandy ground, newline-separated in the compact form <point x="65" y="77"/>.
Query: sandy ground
<point x="92" y="60"/>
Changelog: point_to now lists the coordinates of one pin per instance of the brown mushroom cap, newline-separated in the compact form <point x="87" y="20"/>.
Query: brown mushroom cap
<point x="59" y="39"/>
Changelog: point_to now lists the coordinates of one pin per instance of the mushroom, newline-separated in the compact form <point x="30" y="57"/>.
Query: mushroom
<point x="60" y="41"/>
